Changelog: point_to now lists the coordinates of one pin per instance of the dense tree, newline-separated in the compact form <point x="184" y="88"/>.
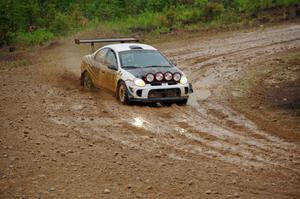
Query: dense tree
<point x="59" y="17"/>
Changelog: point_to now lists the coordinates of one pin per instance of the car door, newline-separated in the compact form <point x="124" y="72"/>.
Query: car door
<point x="98" y="66"/>
<point x="108" y="74"/>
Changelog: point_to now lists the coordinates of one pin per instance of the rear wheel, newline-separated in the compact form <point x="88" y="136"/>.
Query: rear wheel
<point x="122" y="94"/>
<point x="87" y="81"/>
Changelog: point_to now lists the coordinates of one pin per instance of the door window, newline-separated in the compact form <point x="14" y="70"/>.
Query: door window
<point x="100" y="56"/>
<point x="111" y="59"/>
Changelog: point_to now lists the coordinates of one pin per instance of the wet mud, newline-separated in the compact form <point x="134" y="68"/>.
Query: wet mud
<point x="146" y="151"/>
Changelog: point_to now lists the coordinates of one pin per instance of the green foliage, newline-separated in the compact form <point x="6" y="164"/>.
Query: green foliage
<point x="94" y="23"/>
<point x="188" y="15"/>
<point x="60" y="25"/>
<point x="5" y="33"/>
<point x="147" y="21"/>
<point x="243" y="5"/>
<point x="38" y="36"/>
<point x="256" y="5"/>
<point x="62" y="17"/>
<point x="286" y="2"/>
<point x="159" y="22"/>
<point x="201" y="3"/>
<point x="212" y="10"/>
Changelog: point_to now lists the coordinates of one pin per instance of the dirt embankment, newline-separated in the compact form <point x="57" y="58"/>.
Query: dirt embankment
<point x="58" y="141"/>
<point x="271" y="95"/>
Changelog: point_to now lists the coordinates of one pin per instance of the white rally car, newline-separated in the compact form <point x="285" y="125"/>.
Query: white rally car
<point x="134" y="72"/>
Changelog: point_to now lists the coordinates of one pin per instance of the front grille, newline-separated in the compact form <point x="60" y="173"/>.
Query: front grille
<point x="155" y="84"/>
<point x="160" y="83"/>
<point x="160" y="93"/>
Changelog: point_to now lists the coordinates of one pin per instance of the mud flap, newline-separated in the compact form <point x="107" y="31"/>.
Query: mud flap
<point x="190" y="88"/>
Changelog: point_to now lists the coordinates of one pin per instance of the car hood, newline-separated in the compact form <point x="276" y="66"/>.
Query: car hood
<point x="142" y="72"/>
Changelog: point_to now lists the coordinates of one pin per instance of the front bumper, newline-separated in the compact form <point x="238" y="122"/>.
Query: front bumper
<point x="161" y="93"/>
<point x="163" y="99"/>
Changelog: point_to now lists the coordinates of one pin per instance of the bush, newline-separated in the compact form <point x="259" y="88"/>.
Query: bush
<point x="201" y="3"/>
<point x="231" y="17"/>
<point x="171" y="16"/>
<point x="147" y="21"/>
<point x="212" y="10"/>
<point x="188" y="15"/>
<point x="94" y="23"/>
<point x="286" y="2"/>
<point x="38" y="36"/>
<point x="68" y="16"/>
<point x="61" y="25"/>
<point x="243" y="5"/>
<point x="256" y="5"/>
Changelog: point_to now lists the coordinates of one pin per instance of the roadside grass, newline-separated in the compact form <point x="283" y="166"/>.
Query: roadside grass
<point x="10" y="61"/>
<point x="205" y="16"/>
<point x="9" y="65"/>
<point x="35" y="37"/>
<point x="191" y="19"/>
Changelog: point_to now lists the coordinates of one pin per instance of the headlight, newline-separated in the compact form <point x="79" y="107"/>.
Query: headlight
<point x="183" y="80"/>
<point x="159" y="76"/>
<point x="177" y="77"/>
<point x="139" y="82"/>
<point x="150" y="77"/>
<point x="168" y="76"/>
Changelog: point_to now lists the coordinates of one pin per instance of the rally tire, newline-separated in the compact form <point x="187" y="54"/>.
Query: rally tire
<point x="122" y="93"/>
<point x="87" y="81"/>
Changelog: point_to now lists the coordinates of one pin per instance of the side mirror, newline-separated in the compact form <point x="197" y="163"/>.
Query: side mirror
<point x="112" y="67"/>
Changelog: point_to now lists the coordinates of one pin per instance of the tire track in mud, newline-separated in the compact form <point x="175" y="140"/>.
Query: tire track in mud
<point x="195" y="138"/>
<point x="271" y="145"/>
<point x="233" y="42"/>
<point x="207" y="128"/>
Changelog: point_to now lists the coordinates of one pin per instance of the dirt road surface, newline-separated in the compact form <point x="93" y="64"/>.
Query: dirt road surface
<point x="59" y="141"/>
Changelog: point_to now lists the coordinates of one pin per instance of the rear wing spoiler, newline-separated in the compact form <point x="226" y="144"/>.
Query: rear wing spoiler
<point x="93" y="41"/>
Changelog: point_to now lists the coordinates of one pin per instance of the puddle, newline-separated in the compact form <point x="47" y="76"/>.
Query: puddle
<point x="138" y="122"/>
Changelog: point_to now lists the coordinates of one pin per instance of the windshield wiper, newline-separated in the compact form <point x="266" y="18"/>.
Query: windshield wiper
<point x="155" y="66"/>
<point x="130" y="67"/>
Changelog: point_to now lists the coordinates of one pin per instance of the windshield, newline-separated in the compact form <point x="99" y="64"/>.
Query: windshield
<point x="143" y="59"/>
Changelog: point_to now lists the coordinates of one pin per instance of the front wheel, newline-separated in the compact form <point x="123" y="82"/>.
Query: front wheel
<point x="122" y="94"/>
<point x="87" y="81"/>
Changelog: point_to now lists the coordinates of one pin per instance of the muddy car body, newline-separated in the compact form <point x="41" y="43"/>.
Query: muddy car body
<point x="134" y="72"/>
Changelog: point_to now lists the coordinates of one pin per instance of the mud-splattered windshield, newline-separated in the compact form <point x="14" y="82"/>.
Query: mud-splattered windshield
<point x="143" y="59"/>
